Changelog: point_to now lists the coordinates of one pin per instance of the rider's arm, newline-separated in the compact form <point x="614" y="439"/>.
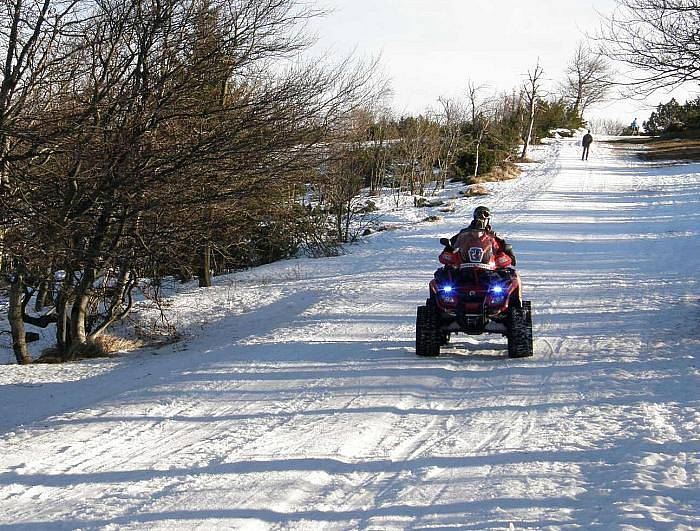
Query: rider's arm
<point x="505" y="247"/>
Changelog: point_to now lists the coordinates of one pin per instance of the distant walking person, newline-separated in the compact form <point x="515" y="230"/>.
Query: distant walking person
<point x="586" y="143"/>
<point x="634" y="127"/>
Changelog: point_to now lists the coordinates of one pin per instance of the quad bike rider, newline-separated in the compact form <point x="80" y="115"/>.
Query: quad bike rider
<point x="476" y="291"/>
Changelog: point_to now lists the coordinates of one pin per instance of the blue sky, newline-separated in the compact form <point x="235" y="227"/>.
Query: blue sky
<point x="429" y="48"/>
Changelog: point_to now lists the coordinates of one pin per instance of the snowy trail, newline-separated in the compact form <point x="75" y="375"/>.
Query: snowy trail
<point x="309" y="410"/>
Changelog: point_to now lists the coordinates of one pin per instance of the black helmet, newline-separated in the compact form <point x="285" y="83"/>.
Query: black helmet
<point x="482" y="217"/>
<point x="482" y="212"/>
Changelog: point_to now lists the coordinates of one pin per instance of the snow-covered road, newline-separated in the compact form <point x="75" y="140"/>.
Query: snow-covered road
<point x="303" y="405"/>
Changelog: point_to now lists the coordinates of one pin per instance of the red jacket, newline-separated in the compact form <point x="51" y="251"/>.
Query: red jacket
<point x="479" y="248"/>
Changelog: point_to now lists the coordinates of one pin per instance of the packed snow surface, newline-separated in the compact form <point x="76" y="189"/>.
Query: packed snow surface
<point x="298" y="402"/>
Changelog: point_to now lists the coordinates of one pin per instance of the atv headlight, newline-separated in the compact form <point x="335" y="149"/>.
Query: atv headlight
<point x="497" y="294"/>
<point x="497" y="289"/>
<point x="448" y="295"/>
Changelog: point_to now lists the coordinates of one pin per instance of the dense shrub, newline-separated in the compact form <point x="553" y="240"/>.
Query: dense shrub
<point x="555" y="114"/>
<point x="673" y="117"/>
<point x="466" y="159"/>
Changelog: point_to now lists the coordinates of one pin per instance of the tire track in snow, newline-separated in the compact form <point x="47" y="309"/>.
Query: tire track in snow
<point x="310" y="425"/>
<point x="145" y="441"/>
<point x="425" y="441"/>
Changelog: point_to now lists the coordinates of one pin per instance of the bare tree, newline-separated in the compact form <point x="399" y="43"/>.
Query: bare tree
<point x="382" y="134"/>
<point x="416" y="154"/>
<point x="608" y="126"/>
<point x="481" y="119"/>
<point x="657" y="39"/>
<point x="532" y="90"/>
<point x="32" y="71"/>
<point x="340" y="185"/>
<point x="588" y="79"/>
<point x="451" y="118"/>
<point x="183" y="129"/>
<point x="35" y="70"/>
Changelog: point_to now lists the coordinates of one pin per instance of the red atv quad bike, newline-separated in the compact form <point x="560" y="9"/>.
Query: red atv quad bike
<point x="475" y="292"/>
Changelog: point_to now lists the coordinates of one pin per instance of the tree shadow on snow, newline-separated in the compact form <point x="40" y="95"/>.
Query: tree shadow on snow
<point x="602" y="503"/>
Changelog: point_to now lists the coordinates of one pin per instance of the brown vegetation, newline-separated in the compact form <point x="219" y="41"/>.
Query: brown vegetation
<point x="140" y="140"/>
<point x="102" y="346"/>
<point x="663" y="149"/>
<point x="475" y="190"/>
<point x="504" y="172"/>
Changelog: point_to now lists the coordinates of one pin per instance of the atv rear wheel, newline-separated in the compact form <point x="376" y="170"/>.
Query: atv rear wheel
<point x="427" y="332"/>
<point x="520" y="331"/>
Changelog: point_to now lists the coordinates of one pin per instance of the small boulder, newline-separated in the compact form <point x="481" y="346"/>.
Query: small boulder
<point x="369" y="206"/>
<point x="422" y="202"/>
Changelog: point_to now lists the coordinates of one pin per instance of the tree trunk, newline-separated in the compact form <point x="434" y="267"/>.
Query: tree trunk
<point x="374" y="181"/>
<point x="579" y="98"/>
<point x="41" y="296"/>
<point x="79" y="310"/>
<point x="532" y="92"/>
<point x="78" y="318"/>
<point x="2" y="249"/>
<point x="339" y="223"/>
<point x="348" y="218"/>
<point x="4" y="188"/>
<point x="121" y="303"/>
<point x="204" y="274"/>
<point x="19" y="338"/>
<point x="62" y="325"/>
<point x="476" y="158"/>
<point x="63" y="297"/>
<point x="529" y="130"/>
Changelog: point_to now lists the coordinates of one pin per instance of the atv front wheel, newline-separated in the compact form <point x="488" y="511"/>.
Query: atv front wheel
<point x="427" y="332"/>
<point x="520" y="331"/>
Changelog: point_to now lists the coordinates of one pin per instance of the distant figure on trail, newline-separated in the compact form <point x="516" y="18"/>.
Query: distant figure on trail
<point x="634" y="127"/>
<point x="586" y="143"/>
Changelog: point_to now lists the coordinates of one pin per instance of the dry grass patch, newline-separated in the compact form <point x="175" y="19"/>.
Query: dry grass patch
<point x="110" y="344"/>
<point x="102" y="346"/>
<point x="475" y="190"/>
<point x="655" y="148"/>
<point x="504" y="172"/>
